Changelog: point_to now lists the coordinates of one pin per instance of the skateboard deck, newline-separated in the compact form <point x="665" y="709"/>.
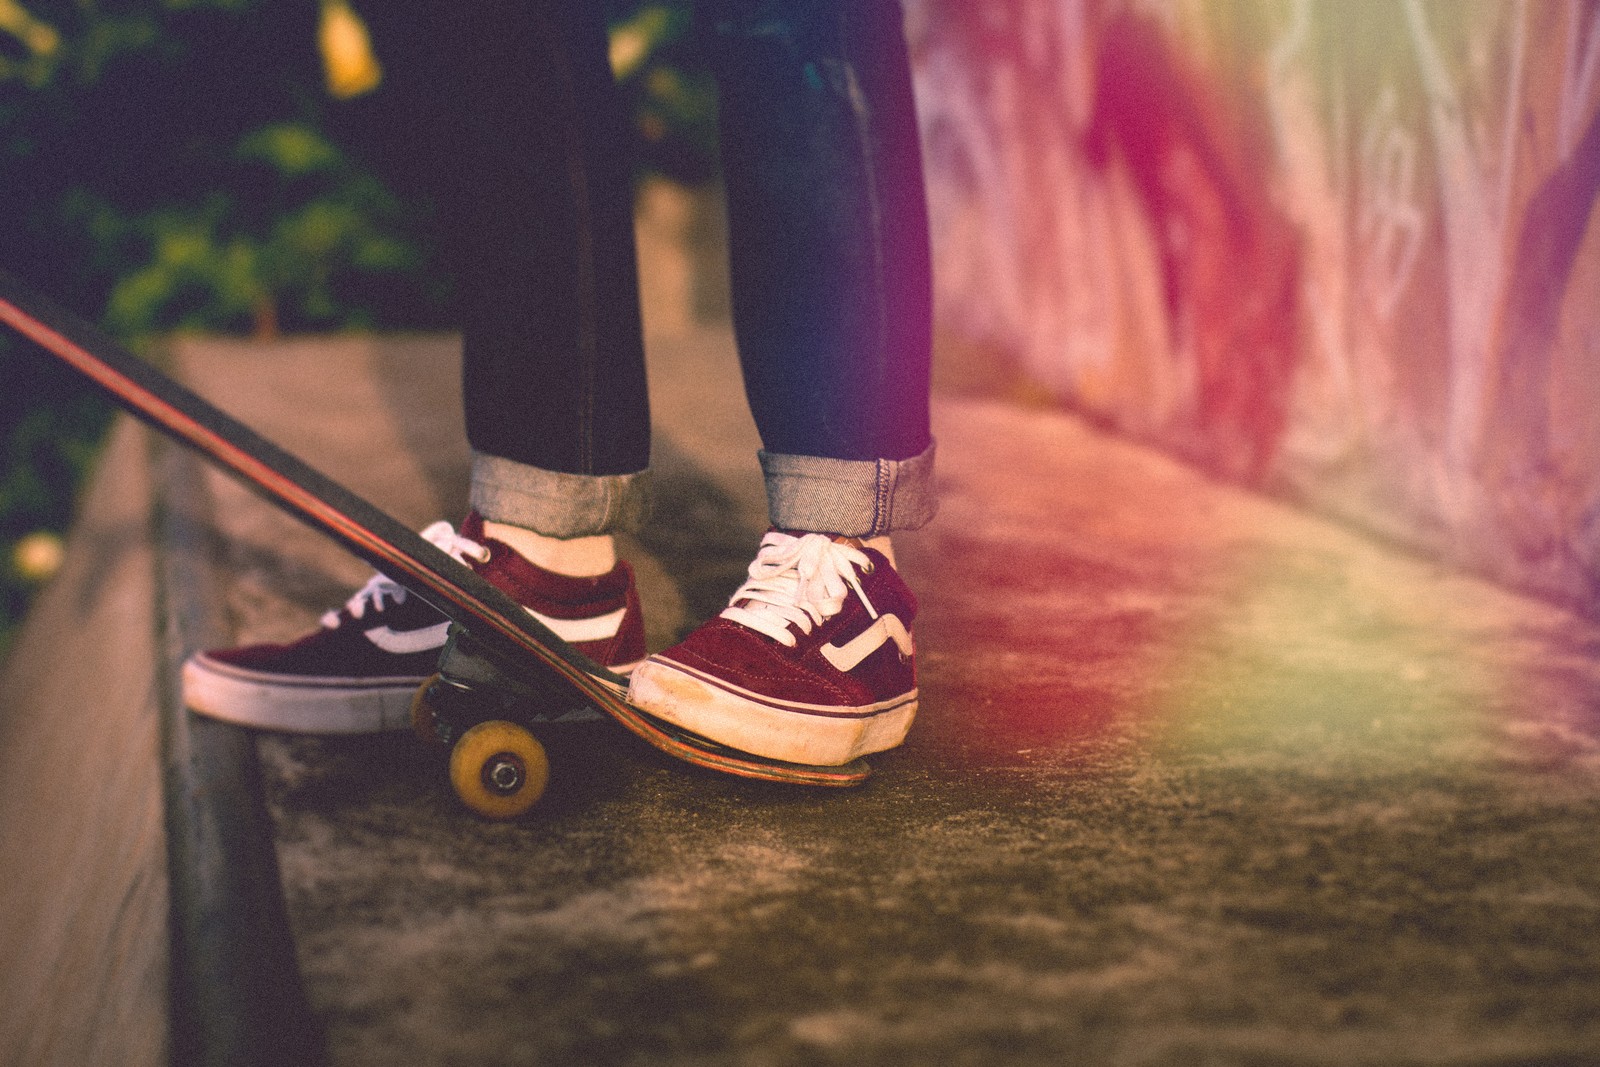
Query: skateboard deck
<point x="495" y="628"/>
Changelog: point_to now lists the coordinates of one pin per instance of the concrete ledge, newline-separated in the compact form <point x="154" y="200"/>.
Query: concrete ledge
<point x="236" y="990"/>
<point x="84" y="894"/>
<point x="143" y="921"/>
<point x="1198" y="778"/>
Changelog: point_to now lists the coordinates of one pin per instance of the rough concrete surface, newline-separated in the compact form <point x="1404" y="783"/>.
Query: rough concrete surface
<point x="1197" y="780"/>
<point x="83" y="859"/>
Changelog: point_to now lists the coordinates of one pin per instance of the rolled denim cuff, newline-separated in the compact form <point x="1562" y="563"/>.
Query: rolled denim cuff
<point x="856" y="498"/>
<point x="556" y="504"/>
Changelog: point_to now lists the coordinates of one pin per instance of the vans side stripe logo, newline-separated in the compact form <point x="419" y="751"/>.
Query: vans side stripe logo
<point x="848" y="657"/>
<point x="428" y="638"/>
<point x="600" y="628"/>
<point x="405" y="642"/>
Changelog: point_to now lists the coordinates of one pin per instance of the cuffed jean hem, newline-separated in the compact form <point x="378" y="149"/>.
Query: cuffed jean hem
<point x="856" y="498"/>
<point x="556" y="504"/>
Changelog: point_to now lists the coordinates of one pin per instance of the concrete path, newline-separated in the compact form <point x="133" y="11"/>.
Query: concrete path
<point x="1198" y="779"/>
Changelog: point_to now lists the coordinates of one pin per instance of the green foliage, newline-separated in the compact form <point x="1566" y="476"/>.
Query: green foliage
<point x="177" y="169"/>
<point x="278" y="250"/>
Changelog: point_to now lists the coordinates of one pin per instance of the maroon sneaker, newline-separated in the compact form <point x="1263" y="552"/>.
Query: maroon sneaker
<point x="811" y="662"/>
<point x="358" y="672"/>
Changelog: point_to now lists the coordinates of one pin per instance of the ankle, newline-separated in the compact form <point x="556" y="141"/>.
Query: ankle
<point x="577" y="557"/>
<point x="881" y="544"/>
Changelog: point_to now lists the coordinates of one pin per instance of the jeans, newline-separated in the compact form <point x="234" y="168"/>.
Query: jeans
<point x="828" y="248"/>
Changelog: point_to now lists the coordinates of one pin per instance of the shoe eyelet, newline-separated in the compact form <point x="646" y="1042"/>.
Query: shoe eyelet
<point x="868" y="567"/>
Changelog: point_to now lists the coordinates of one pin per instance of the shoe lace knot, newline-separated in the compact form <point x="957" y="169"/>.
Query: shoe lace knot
<point x="798" y="581"/>
<point x="381" y="590"/>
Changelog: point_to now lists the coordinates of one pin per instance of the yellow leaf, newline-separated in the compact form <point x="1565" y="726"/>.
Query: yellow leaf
<point x="347" y="56"/>
<point x="38" y="37"/>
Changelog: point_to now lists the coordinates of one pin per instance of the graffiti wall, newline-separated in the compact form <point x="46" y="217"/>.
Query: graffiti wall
<point x="1340" y="250"/>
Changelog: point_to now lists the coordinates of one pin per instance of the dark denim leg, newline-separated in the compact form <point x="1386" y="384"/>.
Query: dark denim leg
<point x="828" y="223"/>
<point x="554" y="361"/>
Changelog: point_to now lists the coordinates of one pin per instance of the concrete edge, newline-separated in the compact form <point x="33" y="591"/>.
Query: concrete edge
<point x="84" y="901"/>
<point x="237" y="997"/>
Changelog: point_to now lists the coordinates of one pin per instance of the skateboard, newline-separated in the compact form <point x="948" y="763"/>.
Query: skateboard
<point x="499" y="664"/>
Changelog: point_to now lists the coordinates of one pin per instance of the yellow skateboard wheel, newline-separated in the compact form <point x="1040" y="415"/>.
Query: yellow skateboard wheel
<point x="498" y="769"/>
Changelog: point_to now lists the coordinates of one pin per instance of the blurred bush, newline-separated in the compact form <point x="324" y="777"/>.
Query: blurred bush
<point x="172" y="167"/>
<point x="230" y="165"/>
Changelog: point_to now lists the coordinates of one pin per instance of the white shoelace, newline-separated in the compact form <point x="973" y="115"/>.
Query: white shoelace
<point x="381" y="587"/>
<point x="801" y="581"/>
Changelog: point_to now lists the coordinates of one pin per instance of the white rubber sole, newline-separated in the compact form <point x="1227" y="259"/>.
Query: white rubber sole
<point x="821" y="735"/>
<point x="311" y="705"/>
<point x="297" y="705"/>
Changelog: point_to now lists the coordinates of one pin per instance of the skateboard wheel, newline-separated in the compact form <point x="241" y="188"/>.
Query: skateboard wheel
<point x="422" y="720"/>
<point x="498" y="769"/>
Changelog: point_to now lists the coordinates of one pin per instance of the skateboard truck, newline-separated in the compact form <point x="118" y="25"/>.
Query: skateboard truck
<point x="475" y="710"/>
